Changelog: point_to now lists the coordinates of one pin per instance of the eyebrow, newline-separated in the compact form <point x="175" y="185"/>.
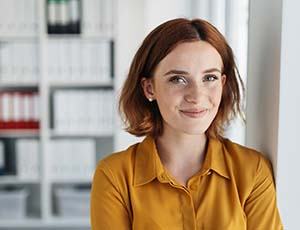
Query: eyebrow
<point x="175" y="71"/>
<point x="212" y="70"/>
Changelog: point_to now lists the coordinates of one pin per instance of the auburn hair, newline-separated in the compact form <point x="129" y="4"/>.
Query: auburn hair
<point x="142" y="117"/>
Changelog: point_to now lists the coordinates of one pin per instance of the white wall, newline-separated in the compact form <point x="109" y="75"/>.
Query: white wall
<point x="263" y="76"/>
<point x="273" y="94"/>
<point x="288" y="185"/>
<point x="157" y="11"/>
<point x="129" y="28"/>
<point x="236" y="33"/>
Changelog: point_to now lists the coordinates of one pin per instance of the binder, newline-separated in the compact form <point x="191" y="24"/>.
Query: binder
<point x="27" y="155"/>
<point x="77" y="159"/>
<point x="18" y="17"/>
<point x="19" y="110"/>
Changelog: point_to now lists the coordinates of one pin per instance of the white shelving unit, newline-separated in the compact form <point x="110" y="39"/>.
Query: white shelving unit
<point x="135" y="18"/>
<point x="40" y="211"/>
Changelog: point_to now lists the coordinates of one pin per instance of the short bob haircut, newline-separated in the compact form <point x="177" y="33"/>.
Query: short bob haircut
<point x="142" y="117"/>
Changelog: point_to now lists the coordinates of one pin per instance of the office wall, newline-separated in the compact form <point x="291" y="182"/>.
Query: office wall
<point x="288" y="185"/>
<point x="264" y="76"/>
<point x="273" y="94"/>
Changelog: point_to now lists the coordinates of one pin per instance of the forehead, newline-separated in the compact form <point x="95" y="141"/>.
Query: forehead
<point x="191" y="56"/>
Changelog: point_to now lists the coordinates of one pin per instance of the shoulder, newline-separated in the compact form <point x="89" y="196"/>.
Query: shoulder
<point x="118" y="161"/>
<point x="111" y="180"/>
<point x="246" y="163"/>
<point x="117" y="167"/>
<point x="243" y="155"/>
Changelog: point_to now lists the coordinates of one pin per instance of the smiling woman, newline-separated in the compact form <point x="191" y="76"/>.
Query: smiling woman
<point x="156" y="46"/>
<point x="182" y="90"/>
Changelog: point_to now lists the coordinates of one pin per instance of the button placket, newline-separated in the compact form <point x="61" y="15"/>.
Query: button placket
<point x="188" y="214"/>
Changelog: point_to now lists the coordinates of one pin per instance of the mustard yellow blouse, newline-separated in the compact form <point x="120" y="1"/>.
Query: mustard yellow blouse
<point x="234" y="190"/>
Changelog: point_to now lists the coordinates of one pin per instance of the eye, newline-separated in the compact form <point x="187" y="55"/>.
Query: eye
<point x="178" y="80"/>
<point x="210" y="77"/>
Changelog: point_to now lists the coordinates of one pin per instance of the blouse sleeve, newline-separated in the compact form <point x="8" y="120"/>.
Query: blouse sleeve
<point x="260" y="207"/>
<point x="108" y="209"/>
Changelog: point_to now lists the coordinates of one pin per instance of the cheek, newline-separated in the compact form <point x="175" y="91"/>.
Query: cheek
<point x="216" y="95"/>
<point x="168" y="101"/>
<point x="167" y="95"/>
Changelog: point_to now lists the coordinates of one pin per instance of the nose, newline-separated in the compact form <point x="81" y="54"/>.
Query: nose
<point x="195" y="94"/>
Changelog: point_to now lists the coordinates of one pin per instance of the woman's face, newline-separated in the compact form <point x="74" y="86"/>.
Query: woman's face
<point x="187" y="86"/>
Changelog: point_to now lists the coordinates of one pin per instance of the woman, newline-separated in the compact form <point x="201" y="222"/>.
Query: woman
<point x="182" y="89"/>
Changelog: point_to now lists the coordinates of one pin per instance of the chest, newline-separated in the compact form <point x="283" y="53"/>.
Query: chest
<point x="182" y="175"/>
<point x="209" y="203"/>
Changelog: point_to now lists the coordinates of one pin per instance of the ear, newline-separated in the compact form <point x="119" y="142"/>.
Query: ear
<point x="223" y="78"/>
<point x="148" y="88"/>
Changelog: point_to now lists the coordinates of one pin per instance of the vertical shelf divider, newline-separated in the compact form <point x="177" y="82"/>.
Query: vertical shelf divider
<point x="44" y="112"/>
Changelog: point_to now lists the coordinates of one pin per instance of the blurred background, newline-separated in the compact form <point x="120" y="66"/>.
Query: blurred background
<point x="62" y="65"/>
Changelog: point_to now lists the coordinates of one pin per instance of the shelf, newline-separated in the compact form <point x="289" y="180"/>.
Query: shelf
<point x="12" y="179"/>
<point x="17" y="37"/>
<point x="12" y="84"/>
<point x="18" y="133"/>
<point x="97" y="37"/>
<point x="80" y="134"/>
<point x="72" y="181"/>
<point x="54" y="222"/>
<point x="68" y="222"/>
<point x="76" y="84"/>
<point x="26" y="222"/>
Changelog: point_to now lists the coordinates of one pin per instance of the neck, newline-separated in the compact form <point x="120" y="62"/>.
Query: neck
<point x="181" y="150"/>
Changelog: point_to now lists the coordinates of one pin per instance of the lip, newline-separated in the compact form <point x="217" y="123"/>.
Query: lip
<point x="194" y="113"/>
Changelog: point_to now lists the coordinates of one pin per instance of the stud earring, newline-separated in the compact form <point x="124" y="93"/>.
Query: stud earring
<point x="150" y="99"/>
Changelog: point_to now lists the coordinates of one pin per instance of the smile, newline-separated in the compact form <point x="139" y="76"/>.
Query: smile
<point x="194" y="114"/>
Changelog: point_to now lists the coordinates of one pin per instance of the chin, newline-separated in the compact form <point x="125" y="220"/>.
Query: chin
<point x="188" y="128"/>
<point x="194" y="131"/>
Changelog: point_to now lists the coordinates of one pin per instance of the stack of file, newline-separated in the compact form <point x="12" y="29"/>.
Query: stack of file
<point x="72" y="159"/>
<point x="83" y="111"/>
<point x="27" y="154"/>
<point x="18" y="62"/>
<point x="63" y="16"/>
<point x="77" y="60"/>
<point x="98" y="17"/>
<point x="19" y="110"/>
<point x="18" y="17"/>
